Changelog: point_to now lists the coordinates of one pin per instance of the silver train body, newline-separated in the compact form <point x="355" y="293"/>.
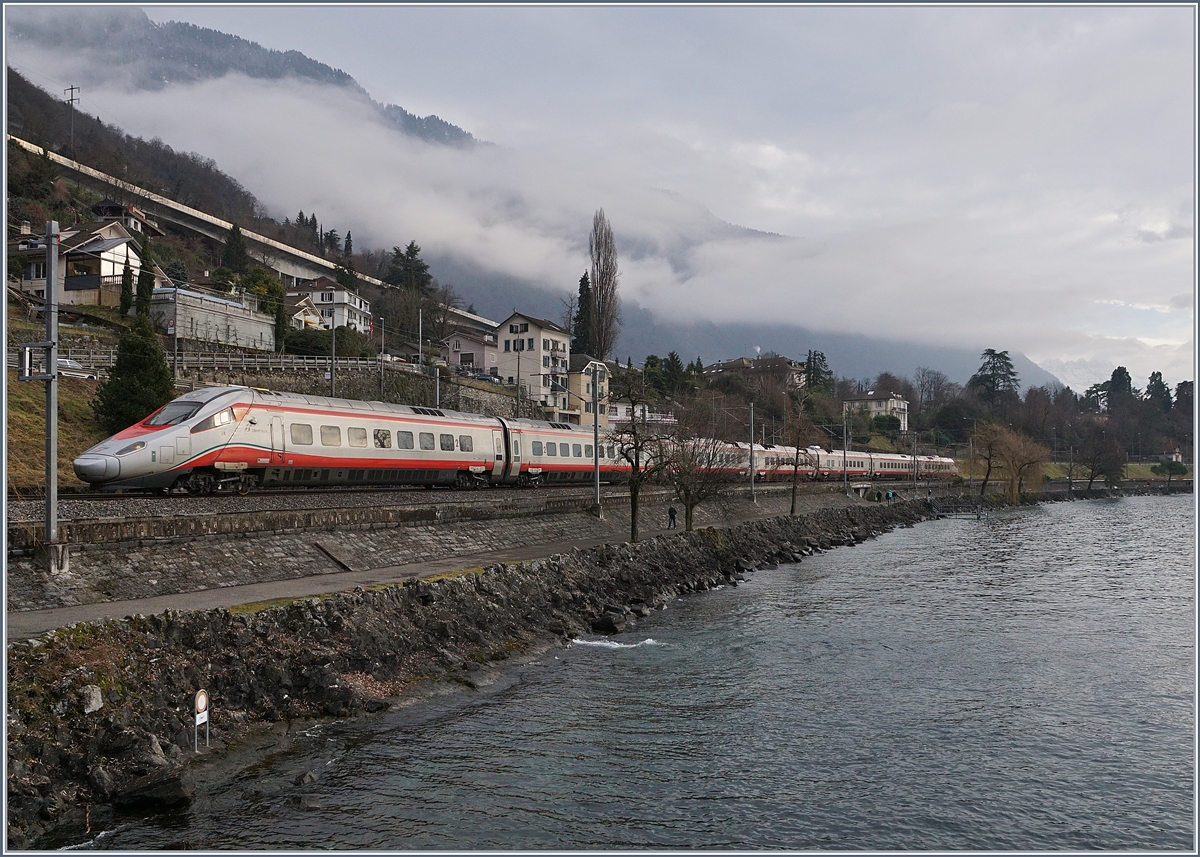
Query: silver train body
<point x="240" y="438"/>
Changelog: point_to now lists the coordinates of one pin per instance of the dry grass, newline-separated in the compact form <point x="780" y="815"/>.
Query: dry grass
<point x="25" y="410"/>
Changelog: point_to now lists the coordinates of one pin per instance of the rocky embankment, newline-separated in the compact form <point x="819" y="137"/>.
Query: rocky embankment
<point x="102" y="714"/>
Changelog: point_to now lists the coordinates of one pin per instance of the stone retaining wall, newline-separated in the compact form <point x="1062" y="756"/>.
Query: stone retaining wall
<point x="101" y="713"/>
<point x="120" y="570"/>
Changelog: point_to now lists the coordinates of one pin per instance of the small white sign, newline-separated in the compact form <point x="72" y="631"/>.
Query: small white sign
<point x="201" y="706"/>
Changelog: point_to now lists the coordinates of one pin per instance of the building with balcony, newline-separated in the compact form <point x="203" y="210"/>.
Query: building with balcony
<point x="770" y="368"/>
<point x="621" y="413"/>
<point x="579" y="387"/>
<point x="337" y="305"/>
<point x="91" y="259"/>
<point x="536" y="354"/>
<point x="879" y="404"/>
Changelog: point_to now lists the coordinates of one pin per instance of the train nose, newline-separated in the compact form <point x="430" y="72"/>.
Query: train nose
<point x="91" y="467"/>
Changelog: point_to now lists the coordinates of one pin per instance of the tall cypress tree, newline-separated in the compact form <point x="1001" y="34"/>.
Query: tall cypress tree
<point x="145" y="291"/>
<point x="126" y="290"/>
<point x="581" y="326"/>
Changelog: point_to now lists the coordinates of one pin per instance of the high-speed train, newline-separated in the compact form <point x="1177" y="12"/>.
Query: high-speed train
<point x="240" y="438"/>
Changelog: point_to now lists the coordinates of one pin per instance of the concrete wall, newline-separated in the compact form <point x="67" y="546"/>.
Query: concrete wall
<point x="209" y="319"/>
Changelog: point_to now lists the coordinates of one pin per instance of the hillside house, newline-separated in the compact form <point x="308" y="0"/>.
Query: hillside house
<point x="337" y="306"/>
<point x="91" y="258"/>
<point x="536" y="353"/>
<point x="879" y="404"/>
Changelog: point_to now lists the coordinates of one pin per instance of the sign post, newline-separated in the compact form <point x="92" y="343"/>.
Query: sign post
<point x="201" y="717"/>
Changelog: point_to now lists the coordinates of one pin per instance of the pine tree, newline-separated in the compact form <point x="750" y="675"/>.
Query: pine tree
<point x="996" y="383"/>
<point x="126" y="290"/>
<point x="178" y="272"/>
<point x="139" y="382"/>
<point x="236" y="258"/>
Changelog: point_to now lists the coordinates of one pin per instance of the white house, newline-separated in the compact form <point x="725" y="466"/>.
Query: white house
<point x="91" y="258"/>
<point x="338" y="306"/>
<point x="879" y="404"/>
<point x="303" y="314"/>
<point x="536" y="354"/>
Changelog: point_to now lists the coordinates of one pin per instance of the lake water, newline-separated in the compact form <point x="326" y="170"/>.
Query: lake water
<point x="1024" y="682"/>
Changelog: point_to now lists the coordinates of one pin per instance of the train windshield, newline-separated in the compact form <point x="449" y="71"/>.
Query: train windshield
<point x="173" y="413"/>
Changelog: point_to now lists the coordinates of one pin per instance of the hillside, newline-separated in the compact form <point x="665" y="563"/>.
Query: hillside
<point x="122" y="39"/>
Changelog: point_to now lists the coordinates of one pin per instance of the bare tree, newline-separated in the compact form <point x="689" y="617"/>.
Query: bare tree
<point x="640" y="443"/>
<point x="439" y="311"/>
<point x="802" y="432"/>
<point x="694" y="460"/>
<point x="987" y="437"/>
<point x="570" y="306"/>
<point x="606" y="302"/>
<point x="1022" y="459"/>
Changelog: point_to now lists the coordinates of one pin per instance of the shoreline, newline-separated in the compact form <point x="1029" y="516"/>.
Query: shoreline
<point x="286" y="668"/>
<point x="100" y="714"/>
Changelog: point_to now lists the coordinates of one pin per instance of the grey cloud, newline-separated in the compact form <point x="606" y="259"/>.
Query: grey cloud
<point x="944" y="184"/>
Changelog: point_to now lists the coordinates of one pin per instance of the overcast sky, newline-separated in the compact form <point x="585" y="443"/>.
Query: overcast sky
<point x="1012" y="178"/>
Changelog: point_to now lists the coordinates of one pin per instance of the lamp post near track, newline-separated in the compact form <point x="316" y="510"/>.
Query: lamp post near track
<point x="382" y="351"/>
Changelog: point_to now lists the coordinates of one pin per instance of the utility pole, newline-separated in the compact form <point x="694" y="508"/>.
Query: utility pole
<point x="333" y="354"/>
<point x="845" y="446"/>
<point x="752" y="499"/>
<point x="382" y="336"/>
<point x="72" y="100"/>
<point x="596" y="437"/>
<point x="51" y="306"/>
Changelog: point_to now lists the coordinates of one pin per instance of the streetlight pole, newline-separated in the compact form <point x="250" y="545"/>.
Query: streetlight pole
<point x="596" y="436"/>
<point x="845" y="444"/>
<point x="752" y="499"/>
<point x="382" y="351"/>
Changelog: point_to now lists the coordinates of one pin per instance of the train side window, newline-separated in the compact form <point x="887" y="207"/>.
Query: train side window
<point x="587" y="451"/>
<point x="551" y="449"/>
<point x="302" y="434"/>
<point x="577" y="450"/>
<point x="331" y="436"/>
<point x="447" y="442"/>
<point x="404" y="440"/>
<point x="426" y="438"/>
<point x="356" y="436"/>
<point x="220" y="418"/>
<point x="612" y="453"/>
<point x="465" y="443"/>
<point x="516" y="449"/>
<point x="383" y="439"/>
<point x="537" y="447"/>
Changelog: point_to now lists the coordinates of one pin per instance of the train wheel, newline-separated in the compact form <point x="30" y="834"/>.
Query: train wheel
<point x="463" y="481"/>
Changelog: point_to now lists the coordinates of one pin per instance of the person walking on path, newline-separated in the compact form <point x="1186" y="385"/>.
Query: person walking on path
<point x="671" y="514"/>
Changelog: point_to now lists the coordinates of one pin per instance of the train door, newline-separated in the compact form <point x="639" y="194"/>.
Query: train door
<point x="278" y="448"/>
<point x="498" y="446"/>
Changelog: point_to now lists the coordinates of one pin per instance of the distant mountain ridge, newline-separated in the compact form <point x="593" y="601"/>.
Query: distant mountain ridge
<point x="157" y="55"/>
